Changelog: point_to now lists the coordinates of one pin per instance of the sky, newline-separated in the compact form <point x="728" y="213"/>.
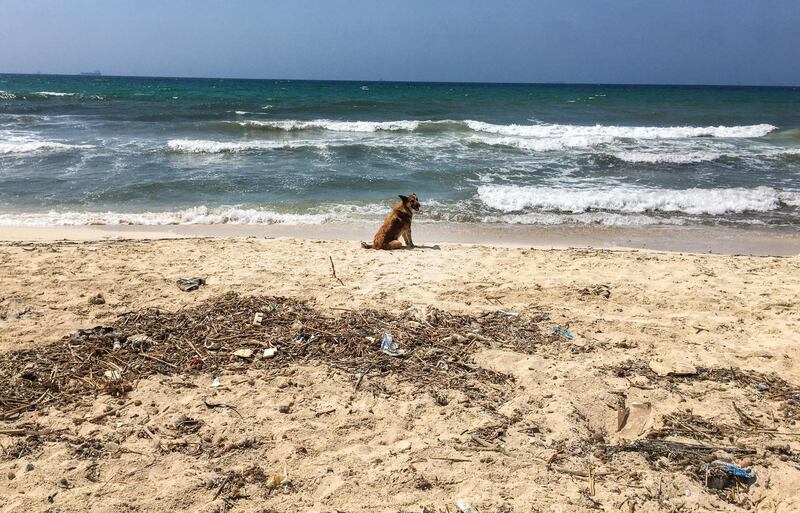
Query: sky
<point x="742" y="42"/>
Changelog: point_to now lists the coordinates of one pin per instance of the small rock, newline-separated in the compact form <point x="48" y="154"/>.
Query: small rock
<point x="403" y="446"/>
<point x="243" y="353"/>
<point x="270" y="352"/>
<point x="762" y="387"/>
<point x="285" y="408"/>
<point x="11" y="476"/>
<point x="28" y="467"/>
<point x="97" y="299"/>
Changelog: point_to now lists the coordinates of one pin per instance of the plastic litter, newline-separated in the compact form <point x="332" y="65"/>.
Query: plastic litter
<point x="276" y="480"/>
<point x="190" y="284"/>
<point x="112" y="375"/>
<point x="257" y="318"/>
<point x="215" y="383"/>
<point x="270" y="352"/>
<point x="745" y="475"/>
<point x="139" y="342"/>
<point x="389" y="346"/>
<point x="561" y="331"/>
<point x="464" y="506"/>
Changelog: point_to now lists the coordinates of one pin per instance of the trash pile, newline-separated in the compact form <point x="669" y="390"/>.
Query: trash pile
<point x="431" y="351"/>
<point x="717" y="454"/>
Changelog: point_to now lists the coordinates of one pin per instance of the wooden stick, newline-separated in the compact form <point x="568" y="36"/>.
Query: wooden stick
<point x="333" y="271"/>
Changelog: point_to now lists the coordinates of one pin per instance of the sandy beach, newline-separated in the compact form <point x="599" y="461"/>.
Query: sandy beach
<point x="660" y="338"/>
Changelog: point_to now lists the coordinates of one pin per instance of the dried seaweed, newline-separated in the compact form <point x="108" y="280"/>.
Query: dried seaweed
<point x="206" y="338"/>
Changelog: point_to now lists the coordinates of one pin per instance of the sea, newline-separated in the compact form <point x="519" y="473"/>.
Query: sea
<point x="88" y="150"/>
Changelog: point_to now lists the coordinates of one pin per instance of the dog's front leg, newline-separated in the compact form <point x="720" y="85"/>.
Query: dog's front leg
<point x="407" y="237"/>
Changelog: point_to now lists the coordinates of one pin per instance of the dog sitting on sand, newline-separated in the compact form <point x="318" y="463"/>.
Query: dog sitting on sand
<point x="396" y="224"/>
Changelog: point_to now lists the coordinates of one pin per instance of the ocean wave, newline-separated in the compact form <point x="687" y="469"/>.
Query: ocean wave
<point x="211" y="147"/>
<point x="5" y="95"/>
<point x="620" y="132"/>
<point x="638" y="157"/>
<point x="205" y="146"/>
<point x="331" y="125"/>
<point x="14" y="147"/>
<point x="512" y="199"/>
<point x="48" y="94"/>
<point x="194" y="215"/>
<point x="542" y="145"/>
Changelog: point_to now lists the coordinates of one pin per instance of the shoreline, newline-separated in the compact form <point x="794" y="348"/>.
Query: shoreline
<point x="716" y="240"/>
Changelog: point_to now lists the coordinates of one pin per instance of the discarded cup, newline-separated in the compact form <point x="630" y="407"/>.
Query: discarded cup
<point x="389" y="346"/>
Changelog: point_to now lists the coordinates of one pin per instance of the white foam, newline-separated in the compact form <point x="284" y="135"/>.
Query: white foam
<point x="53" y="94"/>
<point x="510" y="199"/>
<point x="13" y="147"/>
<point x="543" y="144"/>
<point x="195" y="215"/>
<point x="335" y="126"/>
<point x="211" y="146"/>
<point x="5" y="95"/>
<point x="638" y="157"/>
<point x="630" y="132"/>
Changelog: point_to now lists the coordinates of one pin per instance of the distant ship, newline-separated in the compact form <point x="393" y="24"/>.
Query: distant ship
<point x="94" y="73"/>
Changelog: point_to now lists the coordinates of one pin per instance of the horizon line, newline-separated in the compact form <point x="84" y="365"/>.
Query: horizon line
<point x="378" y="81"/>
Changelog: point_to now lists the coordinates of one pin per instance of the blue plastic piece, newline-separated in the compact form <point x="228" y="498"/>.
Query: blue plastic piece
<point x="561" y="331"/>
<point x="745" y="474"/>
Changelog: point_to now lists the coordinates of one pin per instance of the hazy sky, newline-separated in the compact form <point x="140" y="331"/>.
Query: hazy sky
<point x="610" y="41"/>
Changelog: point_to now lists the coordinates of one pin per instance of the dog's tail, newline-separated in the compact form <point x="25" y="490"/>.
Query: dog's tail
<point x="365" y="245"/>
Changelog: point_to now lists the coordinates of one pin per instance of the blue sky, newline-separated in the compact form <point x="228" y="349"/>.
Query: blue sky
<point x="598" y="41"/>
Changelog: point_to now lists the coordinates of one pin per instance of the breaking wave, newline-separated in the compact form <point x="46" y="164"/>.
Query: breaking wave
<point x="194" y="215"/>
<point x="539" y="131"/>
<point x="510" y="199"/>
<point x="14" y="147"/>
<point x="638" y="157"/>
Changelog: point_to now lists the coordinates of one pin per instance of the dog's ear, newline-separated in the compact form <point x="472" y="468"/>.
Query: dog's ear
<point x="404" y="199"/>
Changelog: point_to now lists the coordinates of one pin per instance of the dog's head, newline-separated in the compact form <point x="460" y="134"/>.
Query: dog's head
<point x="410" y="201"/>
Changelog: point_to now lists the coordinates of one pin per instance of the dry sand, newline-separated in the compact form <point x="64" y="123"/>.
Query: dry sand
<point x="378" y="452"/>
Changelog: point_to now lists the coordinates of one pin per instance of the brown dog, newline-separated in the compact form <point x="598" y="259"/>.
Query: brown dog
<point x="396" y="224"/>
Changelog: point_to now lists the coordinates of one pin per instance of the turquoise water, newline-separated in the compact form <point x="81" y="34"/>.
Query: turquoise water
<point x="106" y="150"/>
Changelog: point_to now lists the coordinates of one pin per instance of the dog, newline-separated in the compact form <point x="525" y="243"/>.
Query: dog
<point x="397" y="224"/>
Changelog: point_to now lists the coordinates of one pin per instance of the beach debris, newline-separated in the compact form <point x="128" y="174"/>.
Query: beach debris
<point x="210" y="331"/>
<point x="561" y="331"/>
<point x="389" y="346"/>
<point x="454" y="338"/>
<point x="140" y="342"/>
<point x="270" y="352"/>
<point x="29" y="467"/>
<point x="277" y="480"/>
<point x="190" y="284"/>
<point x="633" y="420"/>
<point x="721" y="474"/>
<point x="672" y="366"/>
<point x="24" y="313"/>
<point x="286" y="407"/>
<point x="215" y="382"/>
<point x="601" y="290"/>
<point x="113" y="375"/>
<point x="258" y="318"/>
<point x="243" y="353"/>
<point x="185" y="424"/>
<point x="97" y="299"/>
<point x="464" y="506"/>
